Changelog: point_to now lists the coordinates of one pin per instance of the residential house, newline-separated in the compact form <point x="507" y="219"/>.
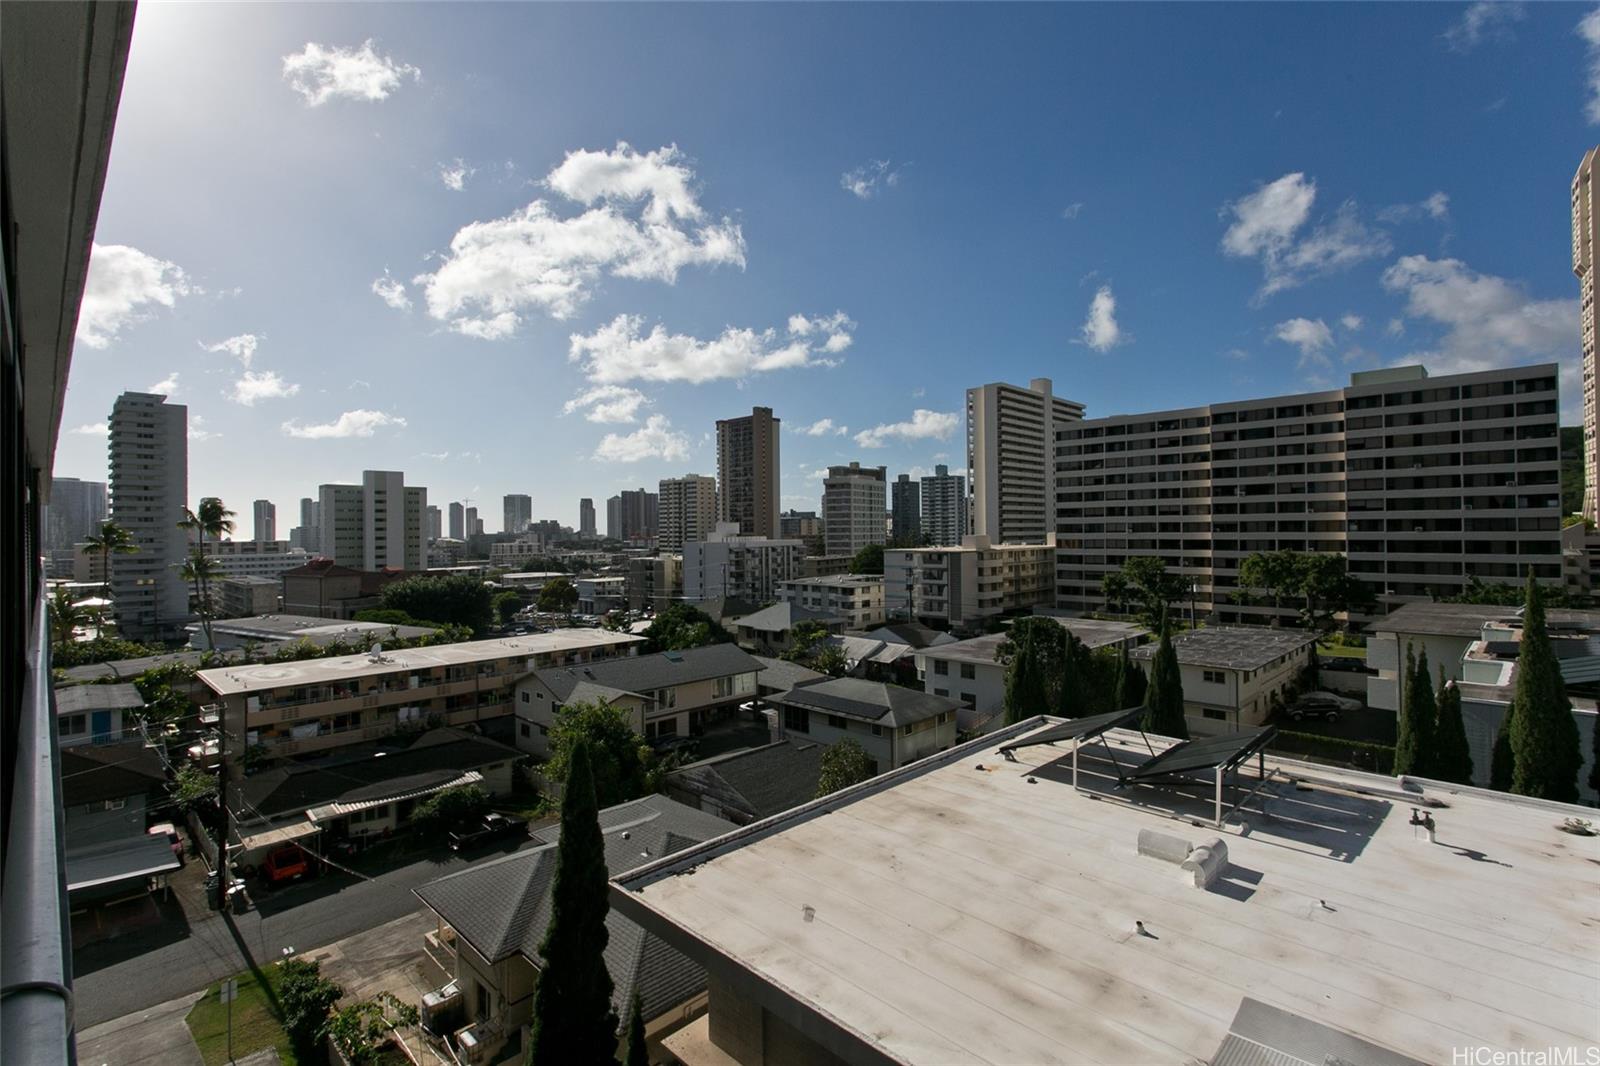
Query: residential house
<point x="107" y="794"/>
<point x="750" y="784"/>
<point x="93" y="714"/>
<point x="1235" y="677"/>
<point x="771" y="629"/>
<point x="893" y="724"/>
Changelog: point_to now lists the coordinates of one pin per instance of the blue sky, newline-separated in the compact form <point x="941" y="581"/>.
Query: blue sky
<point x="541" y="248"/>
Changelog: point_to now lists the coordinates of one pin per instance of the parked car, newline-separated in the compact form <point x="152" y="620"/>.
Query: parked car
<point x="170" y="831"/>
<point x="284" y="864"/>
<point x="492" y="827"/>
<point x="1324" y="705"/>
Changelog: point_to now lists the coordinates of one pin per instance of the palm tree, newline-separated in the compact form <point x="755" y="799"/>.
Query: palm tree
<point x="212" y="520"/>
<point x="199" y="569"/>
<point x="65" y="617"/>
<point x="111" y="539"/>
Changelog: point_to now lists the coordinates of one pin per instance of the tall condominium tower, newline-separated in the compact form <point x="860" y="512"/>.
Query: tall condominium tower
<point x="376" y="524"/>
<point x="905" y="506"/>
<point x="1585" y="244"/>
<point x="458" y="522"/>
<point x="518" y="512"/>
<point x="149" y="490"/>
<point x="586" y="529"/>
<point x="266" y="520"/>
<point x="944" y="507"/>
<point x="638" y="512"/>
<point x="435" y="522"/>
<point x="614" y="518"/>
<point x="308" y="534"/>
<point x="1422" y="482"/>
<point x="474" y="524"/>
<point x="747" y="472"/>
<point x="688" y="511"/>
<point x="1010" y="438"/>
<point x="853" y="507"/>
<point x="77" y="509"/>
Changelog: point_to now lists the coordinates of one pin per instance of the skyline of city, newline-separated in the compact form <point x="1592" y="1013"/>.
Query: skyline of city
<point x="1279" y="266"/>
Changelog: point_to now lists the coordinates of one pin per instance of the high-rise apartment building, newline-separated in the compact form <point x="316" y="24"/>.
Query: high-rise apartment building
<point x="803" y="526"/>
<point x="266" y="520"/>
<point x="458" y="522"/>
<point x="77" y="509"/>
<point x="905" y="508"/>
<point x="687" y="509"/>
<point x="614" y="518"/>
<point x="1585" y="246"/>
<point x="308" y="534"/>
<point x="473" y="522"/>
<point x="586" y="528"/>
<point x="518" y="512"/>
<point x="1010" y="436"/>
<point x="376" y="524"/>
<point x="747" y="472"/>
<point x="149" y="452"/>
<point x="638" y="512"/>
<point x="853" y="507"/>
<point x="435" y="523"/>
<point x="944" y="506"/>
<point x="1424" y="483"/>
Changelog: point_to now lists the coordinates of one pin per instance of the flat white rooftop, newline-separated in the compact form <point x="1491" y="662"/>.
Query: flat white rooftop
<point x="228" y="680"/>
<point x="951" y="913"/>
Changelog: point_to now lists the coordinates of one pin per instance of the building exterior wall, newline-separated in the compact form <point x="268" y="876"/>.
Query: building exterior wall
<point x="981" y="686"/>
<point x="254" y="558"/>
<point x="853" y="508"/>
<point x="77" y="508"/>
<point x="246" y="597"/>
<point x="149" y="454"/>
<point x="1010" y="434"/>
<point x="90" y="727"/>
<point x="961" y="586"/>
<point x="1422" y="482"/>
<point x="858" y="599"/>
<point x="906" y="509"/>
<point x="518" y="509"/>
<point x="748" y="568"/>
<point x="688" y="510"/>
<point x="1386" y="653"/>
<point x="265" y="516"/>
<point x="944" y="507"/>
<point x="747" y="472"/>
<point x="677" y="710"/>
<point x="887" y="746"/>
<point x="1585" y="245"/>
<point x="586" y="526"/>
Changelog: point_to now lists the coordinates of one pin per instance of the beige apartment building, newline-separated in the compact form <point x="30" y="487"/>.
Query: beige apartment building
<point x="1010" y="431"/>
<point x="687" y="510"/>
<point x="853" y="508"/>
<point x="1585" y="239"/>
<point x="857" y="598"/>
<point x="1423" y="482"/>
<point x="747" y="472"/>
<point x="960" y="586"/>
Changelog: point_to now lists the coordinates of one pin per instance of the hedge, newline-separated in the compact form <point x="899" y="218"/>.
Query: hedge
<point x="1358" y="754"/>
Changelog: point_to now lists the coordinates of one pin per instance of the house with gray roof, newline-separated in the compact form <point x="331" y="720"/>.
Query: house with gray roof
<point x="669" y="694"/>
<point x="93" y="714"/>
<point x="492" y="916"/>
<point x="770" y="630"/>
<point x="751" y="784"/>
<point x="893" y="724"/>
<point x="1235" y="677"/>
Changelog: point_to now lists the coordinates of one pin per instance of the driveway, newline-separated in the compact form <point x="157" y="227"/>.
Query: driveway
<point x="154" y="965"/>
<point x="157" y="1036"/>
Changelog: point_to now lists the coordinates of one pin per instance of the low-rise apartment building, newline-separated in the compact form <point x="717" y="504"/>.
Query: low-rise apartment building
<point x="241" y="597"/>
<point x="893" y="724"/>
<point x="324" y="588"/>
<point x="670" y="694"/>
<point x="655" y="582"/>
<point x="960" y="587"/>
<point x="1235" y="677"/>
<point x="314" y="705"/>
<point x="727" y="564"/>
<point x="857" y="598"/>
<point x="256" y="558"/>
<point x="599" y="595"/>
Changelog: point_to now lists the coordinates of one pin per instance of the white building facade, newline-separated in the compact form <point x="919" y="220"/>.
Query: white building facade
<point x="149" y="452"/>
<point x="960" y="586"/>
<point x="853" y="508"/>
<point x="726" y="564"/>
<point x="377" y="524"/>
<point x="857" y="598"/>
<point x="944" y="507"/>
<point x="686" y="510"/>
<point x="1010" y="440"/>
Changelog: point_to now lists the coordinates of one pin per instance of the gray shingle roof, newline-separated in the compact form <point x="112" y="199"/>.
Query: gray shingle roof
<point x="871" y="701"/>
<point x="502" y="906"/>
<point x="759" y="782"/>
<point x="784" y="616"/>
<point x="640" y="673"/>
<point x="78" y="699"/>
<point x="1231" y="647"/>
<point x="780" y="675"/>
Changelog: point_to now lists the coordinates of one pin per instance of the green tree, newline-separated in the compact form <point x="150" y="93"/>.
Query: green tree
<point x="305" y="997"/>
<point x="1276" y="572"/>
<point x="210" y="522"/>
<point x="388" y="617"/>
<point x="810" y="647"/>
<point x="1074" y="679"/>
<point x="618" y="760"/>
<point x="1502" y="762"/>
<point x="1129" y="686"/>
<point x="683" y="626"/>
<point x="1544" y="737"/>
<point x="868" y="560"/>
<point x="506" y="605"/>
<point x="361" y="1029"/>
<point x="110" y="539"/>
<point x="1144" y="580"/>
<point x="1594" y="756"/>
<point x="1031" y="652"/>
<point x="65" y="616"/>
<point x="558" y="595"/>
<point x="1504" y="594"/>
<point x="101" y="649"/>
<point x="1325" y="582"/>
<point x="573" y="1020"/>
<point x="200" y="570"/>
<point x="1415" y="745"/>
<point x="192" y="786"/>
<point x="1164" y="696"/>
<point x="845" y="763"/>
<point x="636" y="1052"/>
<point x="453" y="599"/>
<point x="448" y="809"/>
<point x="1452" y="755"/>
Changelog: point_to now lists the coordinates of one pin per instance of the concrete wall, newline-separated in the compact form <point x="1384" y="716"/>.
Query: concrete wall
<point x="987" y="686"/>
<point x="93" y="823"/>
<point x="888" y="747"/>
<point x="1386" y="653"/>
<point x="753" y="1037"/>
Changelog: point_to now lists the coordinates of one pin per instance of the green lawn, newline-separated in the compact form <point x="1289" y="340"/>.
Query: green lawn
<point x="255" y="1023"/>
<point x="1341" y="652"/>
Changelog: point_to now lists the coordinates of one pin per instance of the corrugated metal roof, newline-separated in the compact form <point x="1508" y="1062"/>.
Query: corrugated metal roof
<point x="339" y="810"/>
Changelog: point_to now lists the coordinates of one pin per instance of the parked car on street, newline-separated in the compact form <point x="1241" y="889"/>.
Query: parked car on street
<point x="1324" y="705"/>
<point x="492" y="827"/>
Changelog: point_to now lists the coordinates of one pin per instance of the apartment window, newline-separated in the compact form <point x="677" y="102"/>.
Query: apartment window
<point x="967" y="698"/>
<point x="968" y="671"/>
<point x="837" y="722"/>
<point x="1214" y="677"/>
<point x="797" y="719"/>
<point x="525" y="697"/>
<point x="527" y="731"/>
<point x="877" y="730"/>
<point x="941" y="667"/>
<point x="73" y="724"/>
<point x="1216" y="716"/>
<point x="941" y="692"/>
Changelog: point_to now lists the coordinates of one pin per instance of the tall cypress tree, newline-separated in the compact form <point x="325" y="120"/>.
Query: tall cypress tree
<point x="1164" y="698"/>
<point x="1130" y="684"/>
<point x="573" y="1020"/>
<point x="1594" y="756"/>
<point x="636" y="1053"/>
<point x="1544" y="738"/>
<point x="1072" y="694"/>
<point x="1414" y="746"/>
<point x="1502" y="763"/>
<point x="1027" y="676"/>
<point x="1452" y="755"/>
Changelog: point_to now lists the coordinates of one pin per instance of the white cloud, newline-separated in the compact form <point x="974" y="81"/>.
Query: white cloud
<point x="865" y="181"/>
<point x="1396" y="327"/>
<point x="653" y="440"/>
<point x="607" y="403"/>
<point x="361" y="423"/>
<point x="1071" y="210"/>
<point x="1488" y="321"/>
<point x="92" y="429"/>
<point x="837" y="327"/>
<point x="1589" y="30"/>
<point x="391" y="292"/>
<point x="254" y="386"/>
<point x="123" y="283"/>
<point x="1310" y="336"/>
<point x="1352" y="322"/>
<point x="198" y="430"/>
<point x="167" y="386"/>
<point x="1435" y="206"/>
<point x="1267" y="224"/>
<point x="243" y="347"/>
<point x="1481" y="21"/>
<point x="822" y="427"/>
<point x="455" y="174"/>
<point x="324" y="72"/>
<point x="621" y="352"/>
<point x="1236" y="354"/>
<point x="924" y="425"/>
<point x="1100" y="329"/>
<point x="534" y="260"/>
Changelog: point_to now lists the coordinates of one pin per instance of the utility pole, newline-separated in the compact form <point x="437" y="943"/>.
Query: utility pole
<point x="222" y="803"/>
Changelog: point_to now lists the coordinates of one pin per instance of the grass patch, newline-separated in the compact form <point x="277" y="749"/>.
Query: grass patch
<point x="1339" y="651"/>
<point x="255" y="1022"/>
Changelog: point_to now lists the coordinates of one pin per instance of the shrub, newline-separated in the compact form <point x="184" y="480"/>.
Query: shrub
<point x="1358" y="754"/>
<point x="305" y="997"/>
